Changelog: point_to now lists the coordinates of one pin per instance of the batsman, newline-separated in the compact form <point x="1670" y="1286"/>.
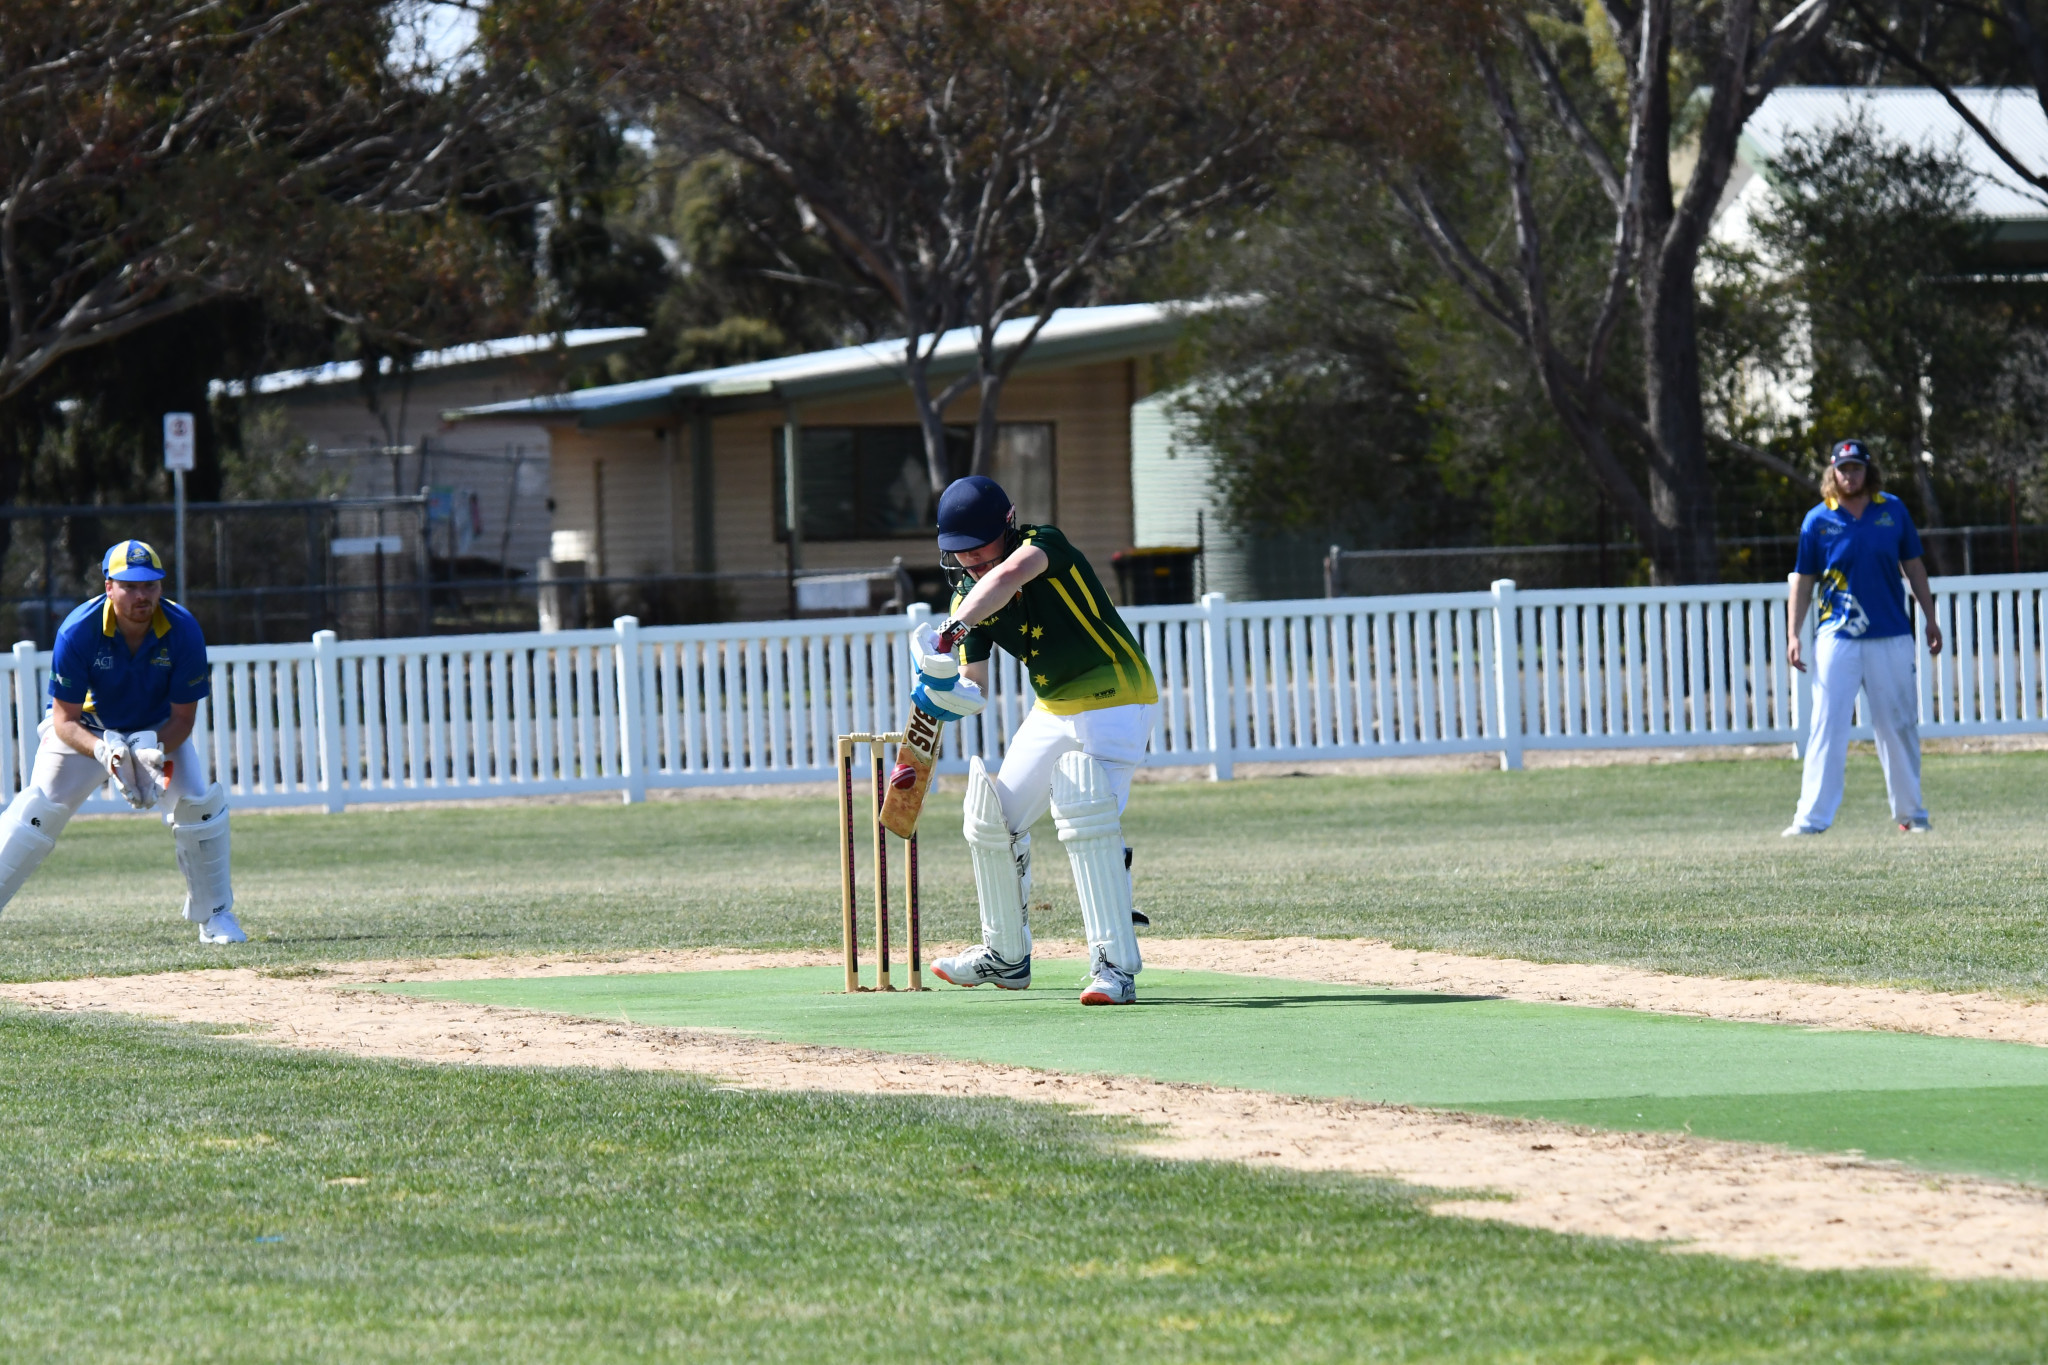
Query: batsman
<point x="1031" y="593"/>
<point x="126" y="680"/>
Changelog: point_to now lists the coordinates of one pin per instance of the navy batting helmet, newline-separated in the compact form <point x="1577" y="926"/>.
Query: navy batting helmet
<point x="972" y="511"/>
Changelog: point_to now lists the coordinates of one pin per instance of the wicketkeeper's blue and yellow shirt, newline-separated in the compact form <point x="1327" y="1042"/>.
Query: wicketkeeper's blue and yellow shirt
<point x="129" y="689"/>
<point x="1078" y="653"/>
<point x="1860" y="594"/>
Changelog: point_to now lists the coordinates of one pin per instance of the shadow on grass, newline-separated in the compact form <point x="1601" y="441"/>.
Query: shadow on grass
<point x="1280" y="1002"/>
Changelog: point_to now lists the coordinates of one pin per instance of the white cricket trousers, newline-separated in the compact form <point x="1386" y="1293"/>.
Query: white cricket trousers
<point x="1883" y="671"/>
<point x="1114" y="736"/>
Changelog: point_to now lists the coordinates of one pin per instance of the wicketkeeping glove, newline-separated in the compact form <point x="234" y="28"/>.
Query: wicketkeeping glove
<point x="940" y="691"/>
<point x="116" y="753"/>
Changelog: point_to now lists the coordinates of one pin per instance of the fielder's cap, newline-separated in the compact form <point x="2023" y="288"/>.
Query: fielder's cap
<point x="132" y="561"/>
<point x="1849" y="452"/>
<point x="972" y="511"/>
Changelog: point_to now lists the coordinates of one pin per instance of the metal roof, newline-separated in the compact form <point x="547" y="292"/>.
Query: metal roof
<point x="1920" y="117"/>
<point x="471" y="353"/>
<point x="1071" y="336"/>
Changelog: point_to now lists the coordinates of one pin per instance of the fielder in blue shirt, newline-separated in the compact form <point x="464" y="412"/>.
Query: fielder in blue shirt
<point x="126" y="678"/>
<point x="1853" y="550"/>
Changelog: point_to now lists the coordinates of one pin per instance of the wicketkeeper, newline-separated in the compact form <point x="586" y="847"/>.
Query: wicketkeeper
<point x="125" y="685"/>
<point x="1028" y="591"/>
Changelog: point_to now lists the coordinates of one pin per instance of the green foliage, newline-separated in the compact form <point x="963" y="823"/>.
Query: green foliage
<point x="1864" y="309"/>
<point x="1354" y="394"/>
<point x="166" y="1196"/>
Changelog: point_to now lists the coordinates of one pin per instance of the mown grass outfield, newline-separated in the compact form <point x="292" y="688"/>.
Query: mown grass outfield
<point x="169" y="1195"/>
<point x="1672" y="866"/>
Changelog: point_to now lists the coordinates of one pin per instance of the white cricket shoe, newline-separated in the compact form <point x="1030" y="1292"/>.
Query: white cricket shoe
<point x="1793" y="831"/>
<point x="222" y="927"/>
<point x="1110" y="986"/>
<point x="977" y="965"/>
<point x="1919" y="824"/>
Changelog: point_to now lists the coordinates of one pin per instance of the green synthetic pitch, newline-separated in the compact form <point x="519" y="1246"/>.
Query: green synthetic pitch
<point x="1941" y="1103"/>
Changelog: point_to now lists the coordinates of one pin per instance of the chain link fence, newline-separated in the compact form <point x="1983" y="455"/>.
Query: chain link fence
<point x="1619" y="564"/>
<point x="377" y="568"/>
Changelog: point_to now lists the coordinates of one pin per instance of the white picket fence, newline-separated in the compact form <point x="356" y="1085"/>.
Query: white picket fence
<point x="333" y="723"/>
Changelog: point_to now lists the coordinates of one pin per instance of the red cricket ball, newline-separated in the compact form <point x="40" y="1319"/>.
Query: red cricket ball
<point x="903" y="777"/>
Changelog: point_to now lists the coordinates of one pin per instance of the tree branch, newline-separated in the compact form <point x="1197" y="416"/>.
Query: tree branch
<point x="1567" y="113"/>
<point x="1911" y="61"/>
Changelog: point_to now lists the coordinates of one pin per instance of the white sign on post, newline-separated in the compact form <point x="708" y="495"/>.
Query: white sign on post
<point x="180" y="441"/>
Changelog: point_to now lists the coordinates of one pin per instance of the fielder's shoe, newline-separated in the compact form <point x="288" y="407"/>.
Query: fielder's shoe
<point x="1109" y="986"/>
<point x="1919" y="824"/>
<point x="222" y="927"/>
<point x="977" y="965"/>
<point x="1791" y="831"/>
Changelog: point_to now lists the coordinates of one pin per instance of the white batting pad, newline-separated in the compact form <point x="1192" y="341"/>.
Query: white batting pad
<point x="1084" y="809"/>
<point x="28" y="831"/>
<point x="200" y="828"/>
<point x="1004" y="929"/>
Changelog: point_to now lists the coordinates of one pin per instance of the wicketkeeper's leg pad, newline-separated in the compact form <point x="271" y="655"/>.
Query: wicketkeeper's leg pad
<point x="1005" y="929"/>
<point x="1084" y="809"/>
<point x="200" y="827"/>
<point x="28" y="831"/>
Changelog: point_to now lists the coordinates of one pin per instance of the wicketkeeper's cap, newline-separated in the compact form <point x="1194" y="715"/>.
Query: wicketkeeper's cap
<point x="972" y="511"/>
<point x="1849" y="452"/>
<point x="132" y="561"/>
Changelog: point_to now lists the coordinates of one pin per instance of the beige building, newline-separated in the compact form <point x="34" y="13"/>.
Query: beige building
<point x="684" y="479"/>
<point x="389" y="439"/>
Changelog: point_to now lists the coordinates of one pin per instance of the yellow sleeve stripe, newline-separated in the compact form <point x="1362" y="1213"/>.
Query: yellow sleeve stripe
<point x="1089" y="597"/>
<point x="1122" y="683"/>
<point x="1086" y="596"/>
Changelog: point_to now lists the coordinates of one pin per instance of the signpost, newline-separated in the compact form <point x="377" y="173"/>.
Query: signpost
<point x="180" y="452"/>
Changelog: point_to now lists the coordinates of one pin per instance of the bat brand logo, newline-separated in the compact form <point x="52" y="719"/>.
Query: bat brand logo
<point x="922" y="732"/>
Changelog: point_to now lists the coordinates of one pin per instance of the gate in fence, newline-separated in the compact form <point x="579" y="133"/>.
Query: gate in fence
<point x="333" y="722"/>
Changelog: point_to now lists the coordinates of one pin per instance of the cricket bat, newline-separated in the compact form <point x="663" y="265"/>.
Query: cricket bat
<point x="912" y="775"/>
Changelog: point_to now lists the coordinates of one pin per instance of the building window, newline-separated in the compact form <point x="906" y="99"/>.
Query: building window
<point x="870" y="483"/>
<point x="1024" y="467"/>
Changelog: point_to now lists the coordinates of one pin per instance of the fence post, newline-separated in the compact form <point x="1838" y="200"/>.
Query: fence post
<point x="632" y="723"/>
<point x="1507" y="673"/>
<point x="1216" y="683"/>
<point x="327" y="707"/>
<point x="27" y="714"/>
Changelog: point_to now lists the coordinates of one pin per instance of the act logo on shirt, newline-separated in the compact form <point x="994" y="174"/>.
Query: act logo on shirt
<point x="160" y="659"/>
<point x="104" y="663"/>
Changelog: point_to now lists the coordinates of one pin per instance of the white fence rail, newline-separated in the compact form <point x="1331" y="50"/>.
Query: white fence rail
<point x="333" y="723"/>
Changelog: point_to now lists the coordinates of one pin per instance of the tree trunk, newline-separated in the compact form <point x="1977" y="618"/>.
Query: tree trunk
<point x="985" y="425"/>
<point x="1681" y="491"/>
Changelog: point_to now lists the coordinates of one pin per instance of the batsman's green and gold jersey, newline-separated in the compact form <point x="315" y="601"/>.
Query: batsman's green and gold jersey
<point x="1078" y="653"/>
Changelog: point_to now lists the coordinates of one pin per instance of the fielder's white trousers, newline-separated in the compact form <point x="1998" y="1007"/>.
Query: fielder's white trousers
<point x="1883" y="671"/>
<point x="1114" y="736"/>
<point x="68" y="777"/>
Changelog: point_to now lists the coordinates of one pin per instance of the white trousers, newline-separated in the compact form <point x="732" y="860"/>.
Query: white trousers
<point x="1115" y="737"/>
<point x="1883" y="671"/>
<point x="68" y="777"/>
